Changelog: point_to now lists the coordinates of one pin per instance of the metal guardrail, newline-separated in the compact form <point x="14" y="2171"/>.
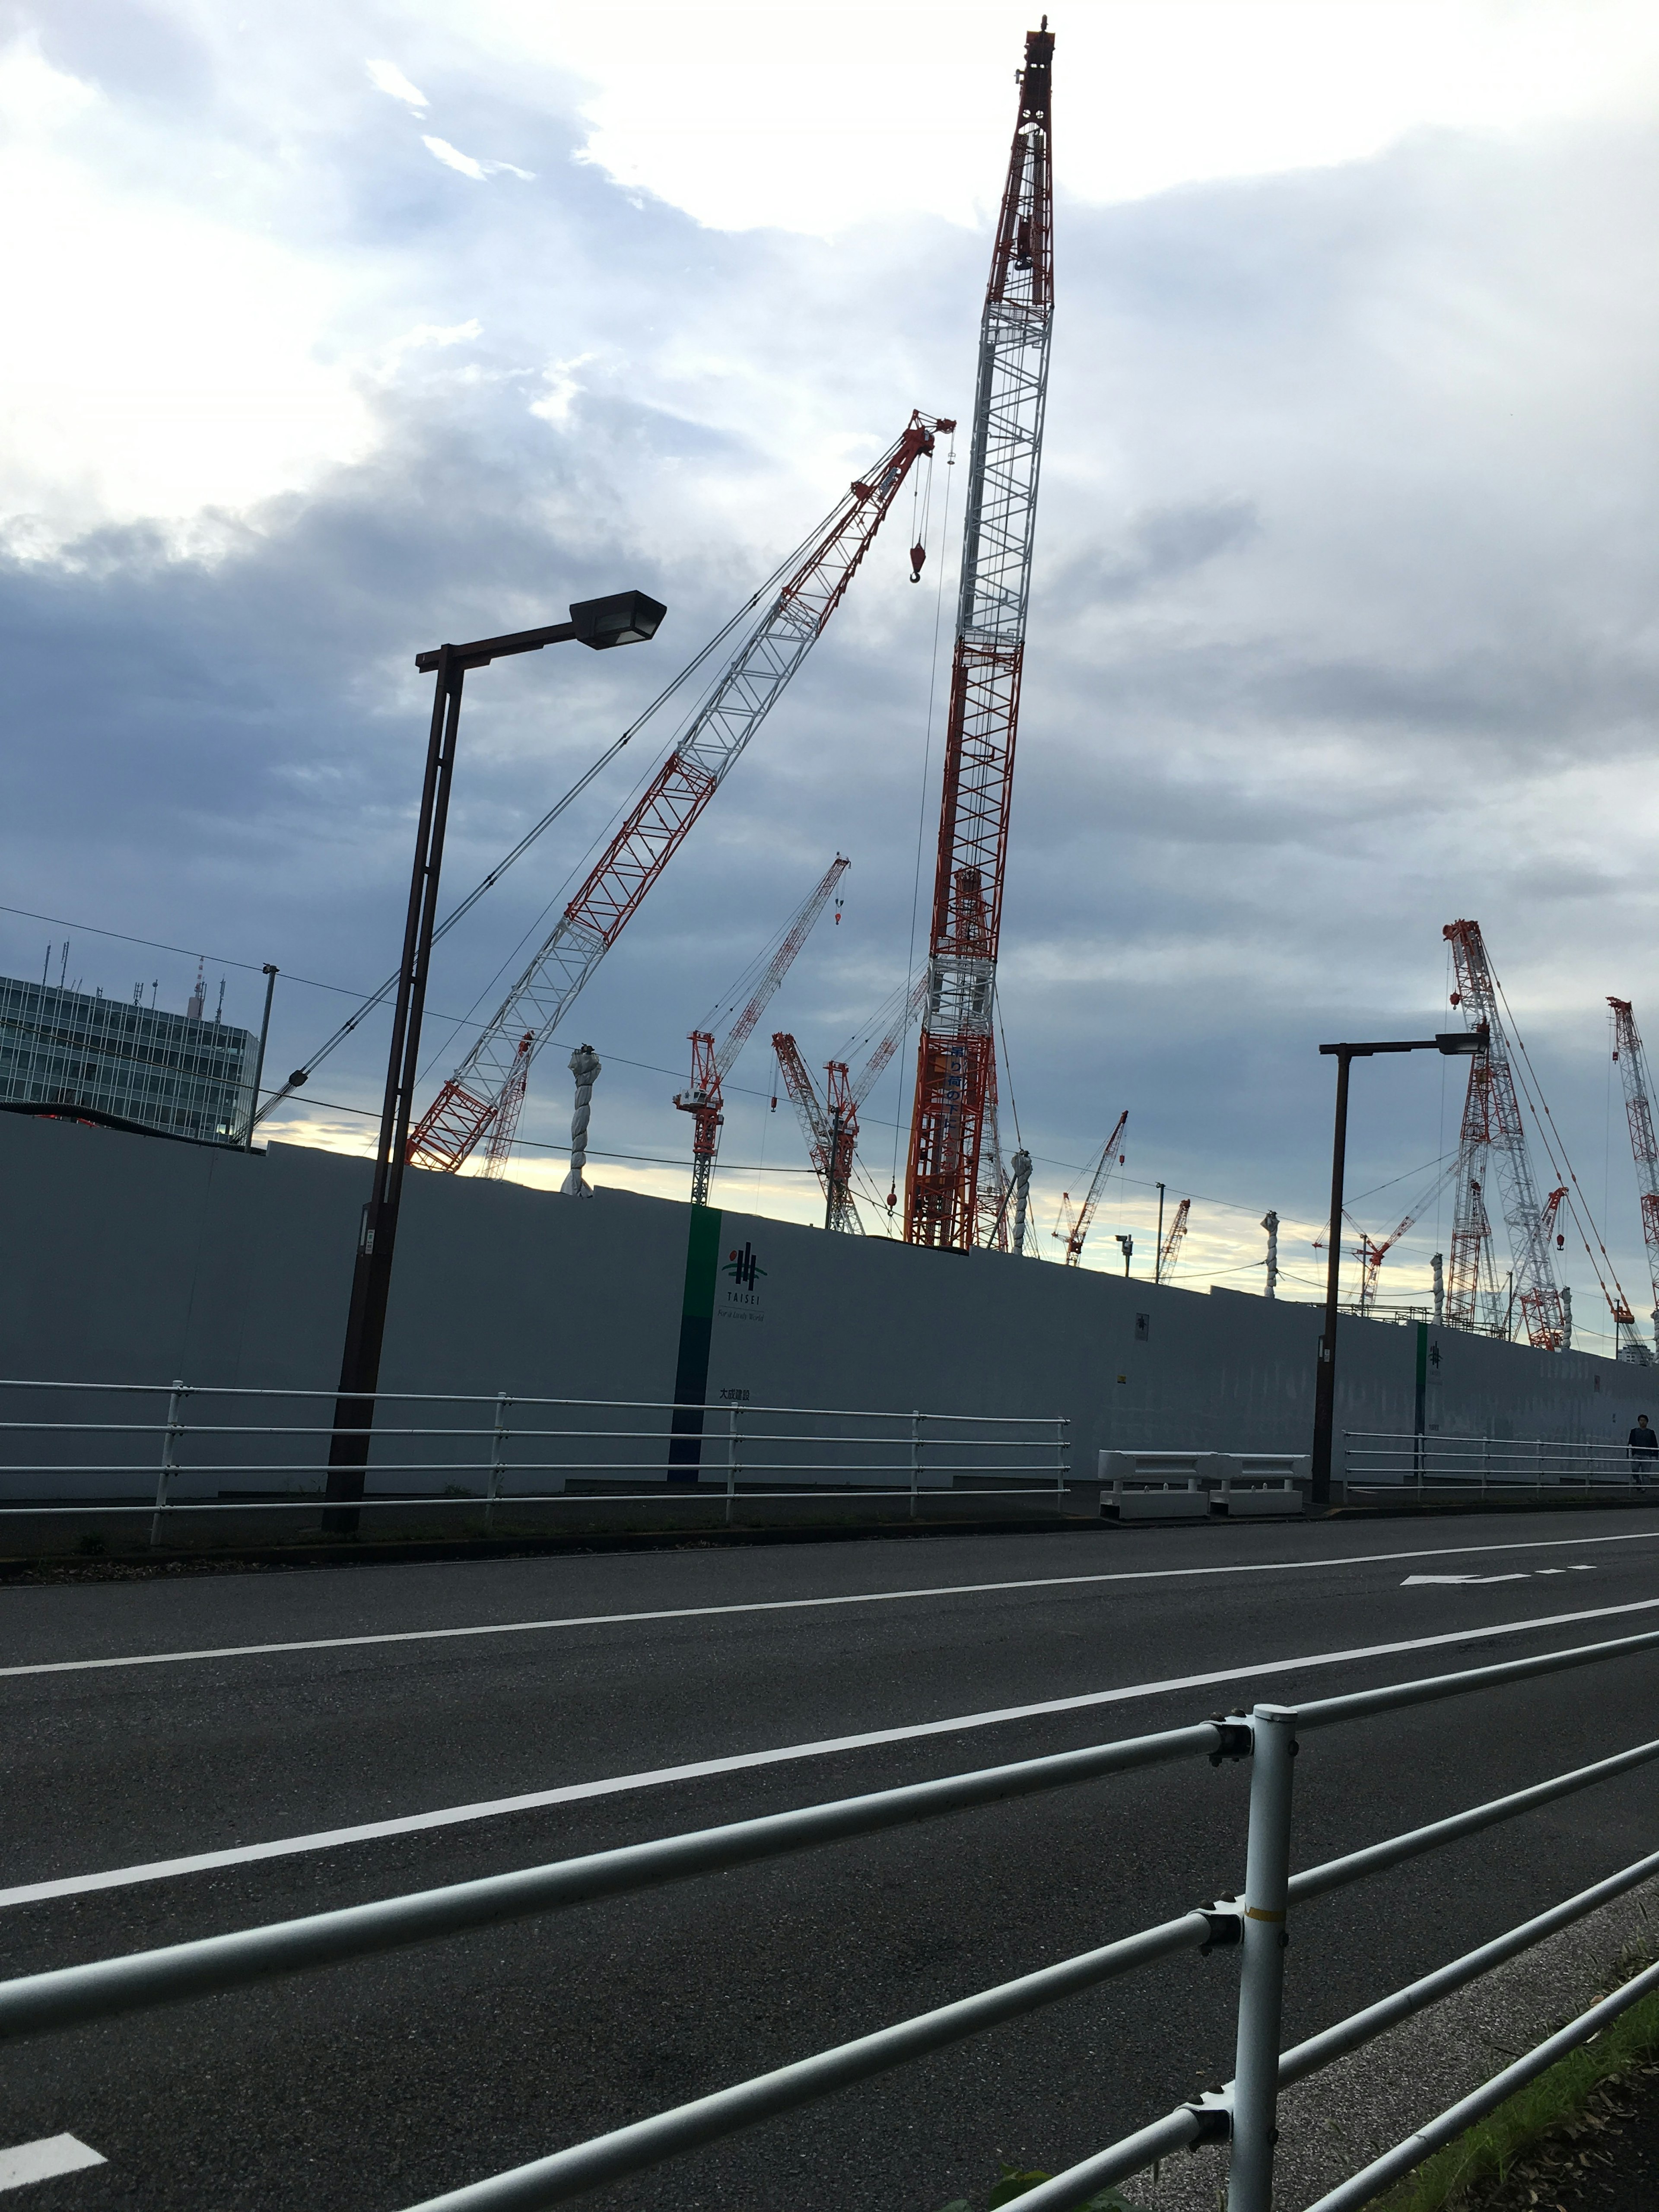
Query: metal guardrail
<point x="1483" y="1466"/>
<point x="440" y="1450"/>
<point x="1244" y="2112"/>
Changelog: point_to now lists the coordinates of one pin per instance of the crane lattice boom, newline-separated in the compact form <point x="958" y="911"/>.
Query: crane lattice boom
<point x="955" y="1054"/>
<point x="1633" y="1064"/>
<point x="1166" y="1258"/>
<point x="1078" y="1229"/>
<point x="659" y="822"/>
<point x="830" y="1124"/>
<point x="1493" y="1128"/>
<point x="712" y="1062"/>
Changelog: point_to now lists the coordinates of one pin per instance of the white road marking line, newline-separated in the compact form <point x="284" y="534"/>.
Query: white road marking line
<point x="40" y="2161"/>
<point x="697" y="1770"/>
<point x="803" y="1604"/>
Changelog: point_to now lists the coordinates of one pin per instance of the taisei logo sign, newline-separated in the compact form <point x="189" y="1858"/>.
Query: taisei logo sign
<point x="741" y="1302"/>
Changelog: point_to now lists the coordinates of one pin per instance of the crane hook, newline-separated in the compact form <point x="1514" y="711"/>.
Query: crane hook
<point x="918" y="554"/>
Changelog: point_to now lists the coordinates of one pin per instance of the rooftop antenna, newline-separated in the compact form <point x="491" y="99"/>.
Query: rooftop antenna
<point x="197" y="997"/>
<point x="45" y="968"/>
<point x="62" y="965"/>
<point x="219" y="1010"/>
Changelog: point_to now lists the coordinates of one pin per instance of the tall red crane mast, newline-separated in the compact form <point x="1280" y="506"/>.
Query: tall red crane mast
<point x="955" y="1054"/>
<point x="711" y="1063"/>
<point x="658" y="823"/>
<point x="1632" y="1065"/>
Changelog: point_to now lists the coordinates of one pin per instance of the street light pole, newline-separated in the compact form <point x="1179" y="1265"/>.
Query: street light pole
<point x="624" y="618"/>
<point x="1450" y="1043"/>
<point x="259" y="1058"/>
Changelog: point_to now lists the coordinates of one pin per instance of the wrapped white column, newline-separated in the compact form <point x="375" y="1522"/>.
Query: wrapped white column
<point x="1270" y="1223"/>
<point x="1021" y="1166"/>
<point x="1439" y="1263"/>
<point x="585" y="1066"/>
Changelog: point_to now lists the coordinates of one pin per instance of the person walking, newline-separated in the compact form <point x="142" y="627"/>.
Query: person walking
<point x="1643" y="1451"/>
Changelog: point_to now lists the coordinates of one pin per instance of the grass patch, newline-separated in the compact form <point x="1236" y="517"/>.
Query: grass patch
<point x="1562" y="2102"/>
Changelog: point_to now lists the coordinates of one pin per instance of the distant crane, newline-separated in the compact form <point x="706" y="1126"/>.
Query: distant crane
<point x="1493" y="1128"/>
<point x="830" y="1123"/>
<point x="659" y="820"/>
<point x="1171" y="1245"/>
<point x="1632" y="1065"/>
<point x="712" y="1062"/>
<point x="1072" y="1229"/>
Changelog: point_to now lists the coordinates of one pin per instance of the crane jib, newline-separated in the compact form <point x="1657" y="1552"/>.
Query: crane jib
<point x="659" y="822"/>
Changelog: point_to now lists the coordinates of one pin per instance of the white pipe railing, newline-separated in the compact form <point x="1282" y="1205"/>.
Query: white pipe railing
<point x="497" y="1452"/>
<point x="1484" y="1466"/>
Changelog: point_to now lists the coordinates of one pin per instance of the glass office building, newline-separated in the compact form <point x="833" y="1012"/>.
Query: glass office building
<point x="175" y="1072"/>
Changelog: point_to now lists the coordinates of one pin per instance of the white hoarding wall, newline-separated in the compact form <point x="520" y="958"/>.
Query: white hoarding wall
<point x="134" y="1260"/>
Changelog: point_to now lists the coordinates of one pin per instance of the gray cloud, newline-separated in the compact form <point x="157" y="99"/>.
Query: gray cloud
<point x="1342" y="620"/>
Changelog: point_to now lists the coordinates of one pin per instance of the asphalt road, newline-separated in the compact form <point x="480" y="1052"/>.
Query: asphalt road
<point x="373" y="2086"/>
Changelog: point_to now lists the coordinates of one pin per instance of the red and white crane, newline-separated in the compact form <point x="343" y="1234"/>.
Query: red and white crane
<point x="712" y="1062"/>
<point x="1071" y="1232"/>
<point x="1632" y="1065"/>
<point x="956" y="1054"/>
<point x="657" y="825"/>
<point x="830" y="1124"/>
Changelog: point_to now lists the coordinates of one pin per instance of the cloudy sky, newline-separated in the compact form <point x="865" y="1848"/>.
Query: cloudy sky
<point x="339" y="330"/>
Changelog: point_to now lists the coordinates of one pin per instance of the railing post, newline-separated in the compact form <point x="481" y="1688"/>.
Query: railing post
<point x="497" y="1458"/>
<point x="915" y="1458"/>
<point x="1262" y="1979"/>
<point x="734" y="1440"/>
<point x="169" y="1466"/>
<point x="1062" y="1461"/>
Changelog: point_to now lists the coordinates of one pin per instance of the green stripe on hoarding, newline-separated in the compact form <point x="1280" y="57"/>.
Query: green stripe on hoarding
<point x="702" y="1256"/>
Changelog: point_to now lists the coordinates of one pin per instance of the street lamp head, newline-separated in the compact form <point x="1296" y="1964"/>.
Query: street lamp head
<point x="1467" y="1041"/>
<point x="623" y="618"/>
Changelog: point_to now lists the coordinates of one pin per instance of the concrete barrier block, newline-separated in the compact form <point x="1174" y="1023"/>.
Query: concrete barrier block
<point x="1257" y="1500"/>
<point x="1155" y="1502"/>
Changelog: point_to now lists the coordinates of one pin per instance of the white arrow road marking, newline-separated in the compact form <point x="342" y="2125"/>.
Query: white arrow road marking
<point x="1524" y="1575"/>
<point x="41" y="2161"/>
<point x="1410" y="1579"/>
